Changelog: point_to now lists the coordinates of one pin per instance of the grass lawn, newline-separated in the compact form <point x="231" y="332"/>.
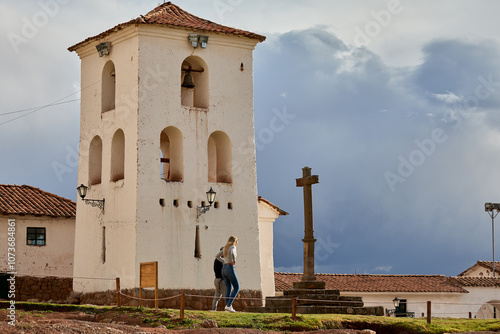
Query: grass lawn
<point x="265" y="321"/>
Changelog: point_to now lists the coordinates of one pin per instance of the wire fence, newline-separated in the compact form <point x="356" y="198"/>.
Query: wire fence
<point x="441" y="308"/>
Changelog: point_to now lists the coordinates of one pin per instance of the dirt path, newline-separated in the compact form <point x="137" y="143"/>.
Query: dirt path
<point x="40" y="322"/>
<point x="45" y="322"/>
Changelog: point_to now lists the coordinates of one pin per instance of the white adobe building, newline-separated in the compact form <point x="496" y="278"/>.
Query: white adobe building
<point x="482" y="269"/>
<point x="42" y="227"/>
<point x="472" y="293"/>
<point x="152" y="146"/>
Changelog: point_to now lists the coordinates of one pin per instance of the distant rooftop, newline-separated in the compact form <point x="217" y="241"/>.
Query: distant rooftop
<point x="172" y="16"/>
<point x="27" y="200"/>
<point x="275" y="207"/>
<point x="482" y="264"/>
<point x="478" y="281"/>
<point x="376" y="283"/>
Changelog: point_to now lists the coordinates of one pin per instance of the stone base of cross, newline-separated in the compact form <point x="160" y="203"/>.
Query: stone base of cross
<point x="309" y="285"/>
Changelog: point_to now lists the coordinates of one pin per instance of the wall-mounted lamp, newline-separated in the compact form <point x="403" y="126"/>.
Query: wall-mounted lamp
<point x="82" y="192"/>
<point x="194" y="39"/>
<point x="203" y="41"/>
<point x="396" y="302"/>
<point x="204" y="208"/>
<point x="103" y="48"/>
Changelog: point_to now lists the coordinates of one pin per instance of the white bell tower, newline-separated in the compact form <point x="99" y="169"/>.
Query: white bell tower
<point x="166" y="114"/>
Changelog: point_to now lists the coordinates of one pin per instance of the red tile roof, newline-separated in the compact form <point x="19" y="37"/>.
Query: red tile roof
<point x="280" y="285"/>
<point x="477" y="281"/>
<point x="275" y="207"/>
<point x="484" y="264"/>
<point x="172" y="16"/>
<point x="27" y="200"/>
<point x="376" y="283"/>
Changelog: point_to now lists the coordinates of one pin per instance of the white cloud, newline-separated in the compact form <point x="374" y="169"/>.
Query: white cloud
<point x="449" y="98"/>
<point x="385" y="269"/>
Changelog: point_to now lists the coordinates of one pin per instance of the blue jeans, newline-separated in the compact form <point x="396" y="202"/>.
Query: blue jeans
<point x="231" y="279"/>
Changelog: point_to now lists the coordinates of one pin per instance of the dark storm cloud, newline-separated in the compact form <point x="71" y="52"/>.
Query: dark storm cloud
<point x="464" y="68"/>
<point x="355" y="120"/>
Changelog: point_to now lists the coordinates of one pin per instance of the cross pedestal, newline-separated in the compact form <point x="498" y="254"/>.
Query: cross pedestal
<point x="308" y="279"/>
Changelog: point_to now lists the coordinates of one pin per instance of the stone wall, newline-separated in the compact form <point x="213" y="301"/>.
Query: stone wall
<point x="195" y="299"/>
<point x="44" y="289"/>
<point x="60" y="290"/>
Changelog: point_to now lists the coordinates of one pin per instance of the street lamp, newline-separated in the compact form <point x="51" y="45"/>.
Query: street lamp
<point x="396" y="302"/>
<point x="82" y="192"/>
<point x="204" y="208"/>
<point x="493" y="209"/>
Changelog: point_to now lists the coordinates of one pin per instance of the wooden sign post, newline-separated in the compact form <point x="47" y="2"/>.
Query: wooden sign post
<point x="149" y="279"/>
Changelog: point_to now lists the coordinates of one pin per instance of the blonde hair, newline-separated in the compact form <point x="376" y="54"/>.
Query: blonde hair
<point x="231" y="241"/>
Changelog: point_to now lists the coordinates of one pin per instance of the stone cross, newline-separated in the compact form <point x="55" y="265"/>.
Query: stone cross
<point x="306" y="182"/>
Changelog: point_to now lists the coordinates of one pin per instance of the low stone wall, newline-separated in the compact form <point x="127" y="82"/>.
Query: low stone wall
<point x="43" y="289"/>
<point x="60" y="290"/>
<point x="195" y="299"/>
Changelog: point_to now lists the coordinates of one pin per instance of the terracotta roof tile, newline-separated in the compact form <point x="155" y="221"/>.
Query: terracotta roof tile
<point x="377" y="283"/>
<point x="280" y="285"/>
<point x="27" y="200"/>
<point x="170" y="15"/>
<point x="477" y="281"/>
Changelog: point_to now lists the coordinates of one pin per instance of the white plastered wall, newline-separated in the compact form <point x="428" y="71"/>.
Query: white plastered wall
<point x="142" y="224"/>
<point x="53" y="258"/>
<point x="267" y="216"/>
<point x="169" y="231"/>
<point x="119" y="217"/>
<point x="455" y="305"/>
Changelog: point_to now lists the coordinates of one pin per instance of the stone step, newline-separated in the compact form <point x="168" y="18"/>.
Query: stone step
<point x="320" y="309"/>
<point x="297" y="292"/>
<point x="309" y="285"/>
<point x="324" y="297"/>
<point x="308" y="296"/>
<point x="287" y="302"/>
<point x="341" y="301"/>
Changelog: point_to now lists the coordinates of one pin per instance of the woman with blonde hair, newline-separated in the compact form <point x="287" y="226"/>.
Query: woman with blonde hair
<point x="228" y="273"/>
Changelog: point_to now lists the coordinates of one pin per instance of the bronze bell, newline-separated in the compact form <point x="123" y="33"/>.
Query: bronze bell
<point x="188" y="80"/>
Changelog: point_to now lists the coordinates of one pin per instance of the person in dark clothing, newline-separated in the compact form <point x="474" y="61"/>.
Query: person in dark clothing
<point x="220" y="285"/>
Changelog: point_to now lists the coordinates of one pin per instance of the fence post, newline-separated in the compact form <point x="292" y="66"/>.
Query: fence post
<point x="183" y="301"/>
<point x="294" y="308"/>
<point x="429" y="312"/>
<point x="118" y="295"/>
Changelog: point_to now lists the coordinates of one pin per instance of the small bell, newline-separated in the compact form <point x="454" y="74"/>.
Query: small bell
<point x="188" y="80"/>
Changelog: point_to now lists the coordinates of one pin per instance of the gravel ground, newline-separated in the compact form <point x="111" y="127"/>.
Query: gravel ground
<point x="116" y="323"/>
<point x="83" y="323"/>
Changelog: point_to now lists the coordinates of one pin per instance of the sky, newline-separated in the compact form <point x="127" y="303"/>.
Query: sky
<point x="394" y="104"/>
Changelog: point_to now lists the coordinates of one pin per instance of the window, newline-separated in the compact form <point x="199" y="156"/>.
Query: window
<point x="95" y="160"/>
<point x="171" y="154"/>
<point x="219" y="158"/>
<point x="35" y="236"/>
<point x="196" y="70"/>
<point x="118" y="156"/>
<point x="108" y="89"/>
